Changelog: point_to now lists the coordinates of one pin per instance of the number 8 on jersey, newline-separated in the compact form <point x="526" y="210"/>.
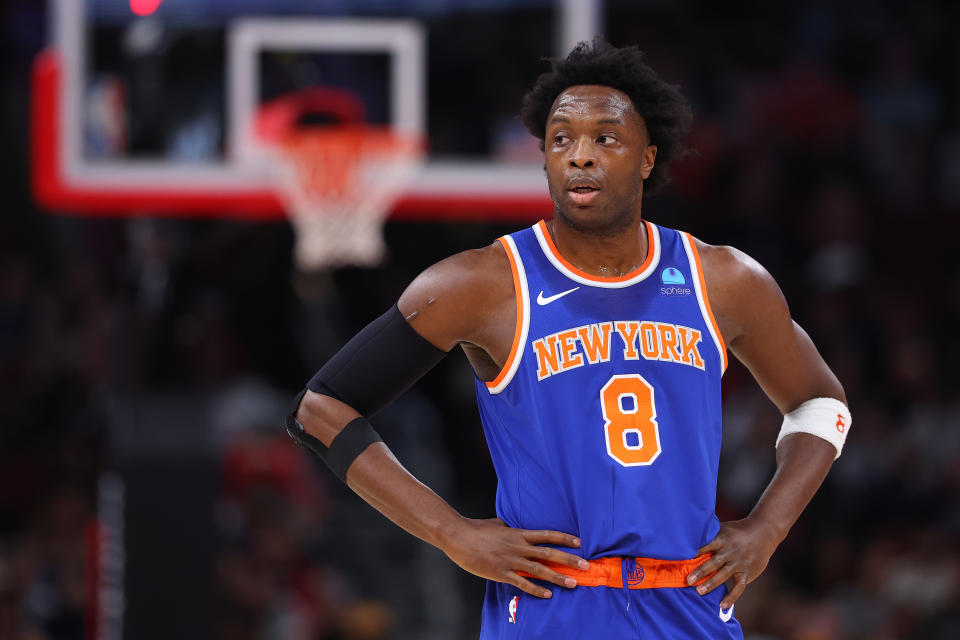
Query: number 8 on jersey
<point x="630" y="425"/>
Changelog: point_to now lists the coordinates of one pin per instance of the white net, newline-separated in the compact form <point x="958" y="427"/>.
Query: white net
<point x="338" y="184"/>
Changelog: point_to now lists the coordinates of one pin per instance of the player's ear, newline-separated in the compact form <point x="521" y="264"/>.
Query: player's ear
<point x="649" y="158"/>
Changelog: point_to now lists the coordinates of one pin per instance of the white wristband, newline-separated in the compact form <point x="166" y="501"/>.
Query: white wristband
<point x="825" y="418"/>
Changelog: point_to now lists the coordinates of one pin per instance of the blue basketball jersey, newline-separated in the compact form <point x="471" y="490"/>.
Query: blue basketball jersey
<point x="605" y="422"/>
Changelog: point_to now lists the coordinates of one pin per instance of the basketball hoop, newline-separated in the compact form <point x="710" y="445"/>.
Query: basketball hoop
<point x="337" y="182"/>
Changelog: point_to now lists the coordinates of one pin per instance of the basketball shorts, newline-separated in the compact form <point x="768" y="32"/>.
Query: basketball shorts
<point x="585" y="613"/>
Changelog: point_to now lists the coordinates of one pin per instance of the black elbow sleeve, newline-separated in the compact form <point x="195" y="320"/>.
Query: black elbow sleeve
<point x="377" y="365"/>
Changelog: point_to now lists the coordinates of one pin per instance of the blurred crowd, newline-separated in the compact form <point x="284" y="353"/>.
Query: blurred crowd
<point x="828" y="142"/>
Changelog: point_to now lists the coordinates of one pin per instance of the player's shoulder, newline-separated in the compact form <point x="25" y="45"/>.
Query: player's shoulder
<point x="453" y="300"/>
<point x="741" y="291"/>
<point x="470" y="271"/>
<point x="730" y="267"/>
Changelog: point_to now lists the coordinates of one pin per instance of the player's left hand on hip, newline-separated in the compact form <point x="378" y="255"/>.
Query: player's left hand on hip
<point x="740" y="551"/>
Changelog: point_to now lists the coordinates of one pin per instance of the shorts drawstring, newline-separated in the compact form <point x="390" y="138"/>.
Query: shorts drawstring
<point x="631" y="571"/>
<point x="624" y="572"/>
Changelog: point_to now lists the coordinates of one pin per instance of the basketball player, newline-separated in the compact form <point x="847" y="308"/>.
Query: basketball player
<point x="598" y="340"/>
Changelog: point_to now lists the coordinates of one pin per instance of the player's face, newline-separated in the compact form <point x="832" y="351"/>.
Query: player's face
<point x="598" y="154"/>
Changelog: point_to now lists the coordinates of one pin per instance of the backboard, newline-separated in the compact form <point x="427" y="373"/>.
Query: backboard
<point x="154" y="114"/>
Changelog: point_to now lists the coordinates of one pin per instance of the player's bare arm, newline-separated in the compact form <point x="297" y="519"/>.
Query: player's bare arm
<point x="467" y="300"/>
<point x="755" y="321"/>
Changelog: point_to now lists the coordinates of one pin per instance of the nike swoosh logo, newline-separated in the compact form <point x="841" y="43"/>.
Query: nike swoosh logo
<point x="542" y="301"/>
<point x="726" y="616"/>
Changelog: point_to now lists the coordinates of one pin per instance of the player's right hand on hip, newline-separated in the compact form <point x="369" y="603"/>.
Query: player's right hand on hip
<point x="492" y="550"/>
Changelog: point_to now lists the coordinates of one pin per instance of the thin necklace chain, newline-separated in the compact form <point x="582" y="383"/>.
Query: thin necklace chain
<point x="605" y="272"/>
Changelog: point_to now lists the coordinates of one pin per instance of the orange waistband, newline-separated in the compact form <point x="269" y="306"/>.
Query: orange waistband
<point x="640" y="573"/>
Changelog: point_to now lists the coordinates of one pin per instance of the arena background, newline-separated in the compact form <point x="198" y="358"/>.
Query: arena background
<point x="147" y="490"/>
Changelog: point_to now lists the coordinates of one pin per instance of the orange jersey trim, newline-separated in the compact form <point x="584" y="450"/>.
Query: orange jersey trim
<point x="706" y="298"/>
<point x="583" y="274"/>
<point x="607" y="572"/>
<point x="518" y="330"/>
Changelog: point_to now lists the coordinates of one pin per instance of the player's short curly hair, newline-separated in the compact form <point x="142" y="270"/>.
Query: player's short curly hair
<point x="665" y="111"/>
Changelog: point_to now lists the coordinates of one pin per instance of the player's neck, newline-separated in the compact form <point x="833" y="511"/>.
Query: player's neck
<point x="602" y="255"/>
